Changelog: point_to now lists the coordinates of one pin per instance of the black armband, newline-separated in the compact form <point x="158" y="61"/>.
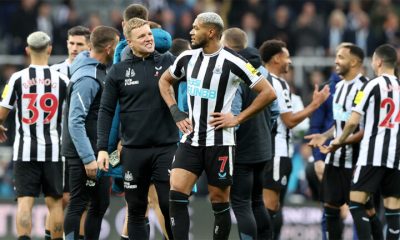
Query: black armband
<point x="177" y="114"/>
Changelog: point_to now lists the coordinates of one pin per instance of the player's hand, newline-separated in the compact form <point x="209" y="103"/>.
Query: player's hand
<point x="3" y="136"/>
<point x="316" y="140"/>
<point x="91" y="169"/>
<point x="331" y="148"/>
<point x="223" y="120"/>
<point x="185" y="126"/>
<point x="119" y="149"/>
<point x="320" y="96"/>
<point x="103" y="160"/>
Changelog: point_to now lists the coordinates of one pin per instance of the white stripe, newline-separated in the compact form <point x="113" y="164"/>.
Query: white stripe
<point x="40" y="140"/>
<point x="230" y="161"/>
<point x="356" y="173"/>
<point x="275" y="174"/>
<point x="80" y="99"/>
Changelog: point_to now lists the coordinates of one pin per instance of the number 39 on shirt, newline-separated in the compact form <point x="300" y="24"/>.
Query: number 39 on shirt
<point x="48" y="103"/>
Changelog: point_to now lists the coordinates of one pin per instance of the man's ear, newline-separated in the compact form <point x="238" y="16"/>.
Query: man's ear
<point x="28" y="51"/>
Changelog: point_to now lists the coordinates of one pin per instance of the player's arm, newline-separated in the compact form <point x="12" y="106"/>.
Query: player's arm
<point x="349" y="128"/>
<point x="3" y="116"/>
<point x="8" y="98"/>
<point x="318" y="139"/>
<point x="108" y="104"/>
<point x="291" y="119"/>
<point x="82" y="96"/>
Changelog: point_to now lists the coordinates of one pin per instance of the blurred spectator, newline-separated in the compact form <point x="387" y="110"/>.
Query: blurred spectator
<point x="115" y="16"/>
<point x="23" y="22"/>
<point x="308" y="32"/>
<point x="94" y="20"/>
<point x="335" y="31"/>
<point x="279" y="27"/>
<point x="45" y="21"/>
<point x="184" y="25"/>
<point x="391" y="28"/>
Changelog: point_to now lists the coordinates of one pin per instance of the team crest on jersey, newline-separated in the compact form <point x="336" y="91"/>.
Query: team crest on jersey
<point x="217" y="70"/>
<point x="128" y="176"/>
<point x="130" y="73"/>
<point x="284" y="181"/>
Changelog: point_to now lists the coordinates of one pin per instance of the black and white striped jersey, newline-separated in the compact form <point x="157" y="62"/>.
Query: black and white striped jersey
<point x="39" y="93"/>
<point x="379" y="103"/>
<point x="280" y="133"/>
<point x="62" y="67"/>
<point x="212" y="81"/>
<point x="342" y="104"/>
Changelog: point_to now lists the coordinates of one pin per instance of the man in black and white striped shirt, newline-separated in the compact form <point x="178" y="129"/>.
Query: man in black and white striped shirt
<point x="338" y="171"/>
<point x="78" y="41"/>
<point x="276" y="60"/>
<point x="39" y="94"/>
<point x="213" y="74"/>
<point x="377" y="104"/>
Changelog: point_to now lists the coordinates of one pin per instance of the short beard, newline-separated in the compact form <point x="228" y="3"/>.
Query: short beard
<point x="199" y="45"/>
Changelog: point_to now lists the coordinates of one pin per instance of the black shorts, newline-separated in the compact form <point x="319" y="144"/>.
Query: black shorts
<point x="277" y="172"/>
<point x="31" y="178"/>
<point x="369" y="179"/>
<point x="216" y="161"/>
<point x="66" y="177"/>
<point x="335" y="187"/>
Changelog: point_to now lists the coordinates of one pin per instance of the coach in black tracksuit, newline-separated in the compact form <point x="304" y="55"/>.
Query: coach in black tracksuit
<point x="149" y="134"/>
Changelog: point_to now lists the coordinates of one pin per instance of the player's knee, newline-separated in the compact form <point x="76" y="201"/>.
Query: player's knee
<point x="219" y="196"/>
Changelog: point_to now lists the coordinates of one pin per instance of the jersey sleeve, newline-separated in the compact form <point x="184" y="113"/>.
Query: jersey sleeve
<point x="9" y="94"/>
<point x="177" y="69"/>
<point x="361" y="100"/>
<point x="246" y="72"/>
<point x="283" y="96"/>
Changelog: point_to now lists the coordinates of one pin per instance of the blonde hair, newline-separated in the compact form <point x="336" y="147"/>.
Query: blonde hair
<point x="133" y="23"/>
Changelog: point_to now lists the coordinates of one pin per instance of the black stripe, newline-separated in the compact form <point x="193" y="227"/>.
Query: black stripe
<point x="204" y="101"/>
<point x="363" y="79"/>
<point x="342" y="157"/>
<point x="274" y="132"/>
<point x="347" y="94"/>
<point x="18" y="91"/>
<point x="223" y="83"/>
<point x="195" y="74"/>
<point x="375" y="92"/>
<point x="339" y="94"/>
<point x="68" y="72"/>
<point x="46" y="127"/>
<point x="62" y="95"/>
<point x="285" y="87"/>
<point x="386" y="138"/>
<point x="32" y="127"/>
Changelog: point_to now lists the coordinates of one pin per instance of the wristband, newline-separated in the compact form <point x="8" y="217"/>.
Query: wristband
<point x="177" y="114"/>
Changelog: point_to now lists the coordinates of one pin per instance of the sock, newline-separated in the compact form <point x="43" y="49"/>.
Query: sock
<point x="222" y="223"/>
<point x="263" y="220"/>
<point x="333" y="222"/>
<point x="272" y="215"/>
<point x="123" y="237"/>
<point x="24" y="237"/>
<point x="178" y="209"/>
<point x="324" y="231"/>
<point x="147" y="224"/>
<point x="376" y="227"/>
<point x="393" y="223"/>
<point x="361" y="220"/>
<point x="278" y="222"/>
<point x="81" y="237"/>
<point x="47" y="235"/>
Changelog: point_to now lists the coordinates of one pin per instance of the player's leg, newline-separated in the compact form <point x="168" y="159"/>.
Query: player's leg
<point x="219" y="168"/>
<point x="161" y="166"/>
<point x="277" y="173"/>
<point x="376" y="224"/>
<point x="99" y="202"/>
<point x="186" y="168"/>
<point x="80" y="190"/>
<point x="52" y="187"/>
<point x="27" y="177"/>
<point x="263" y="220"/>
<point x="137" y="174"/>
<point x="124" y="233"/>
<point x="56" y="217"/>
<point x="241" y="196"/>
<point x="154" y="204"/>
<point x="391" y="201"/>
<point x="366" y="180"/>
